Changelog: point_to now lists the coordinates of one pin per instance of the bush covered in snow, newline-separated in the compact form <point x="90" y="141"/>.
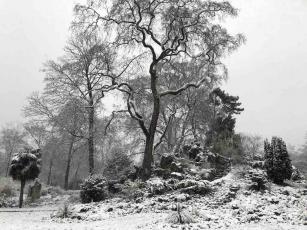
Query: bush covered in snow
<point x="276" y="160"/>
<point x="24" y="167"/>
<point x="94" y="189"/>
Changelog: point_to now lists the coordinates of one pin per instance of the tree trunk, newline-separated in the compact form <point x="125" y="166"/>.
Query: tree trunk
<point x="68" y="162"/>
<point x="77" y="170"/>
<point x="8" y="164"/>
<point x="149" y="144"/>
<point x="50" y="172"/>
<point x="91" y="140"/>
<point x="22" y="186"/>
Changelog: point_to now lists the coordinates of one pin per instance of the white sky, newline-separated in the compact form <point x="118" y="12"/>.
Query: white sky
<point x="268" y="72"/>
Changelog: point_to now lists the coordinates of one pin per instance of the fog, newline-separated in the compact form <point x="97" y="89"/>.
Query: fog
<point x="268" y="72"/>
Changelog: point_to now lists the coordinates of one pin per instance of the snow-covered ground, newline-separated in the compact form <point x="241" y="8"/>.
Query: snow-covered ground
<point x="231" y="206"/>
<point x="39" y="219"/>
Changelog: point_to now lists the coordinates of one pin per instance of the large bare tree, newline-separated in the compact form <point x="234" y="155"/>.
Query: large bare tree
<point x="170" y="32"/>
<point x="82" y="73"/>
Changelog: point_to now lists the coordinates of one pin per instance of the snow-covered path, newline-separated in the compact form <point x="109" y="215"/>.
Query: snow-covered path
<point x="39" y="219"/>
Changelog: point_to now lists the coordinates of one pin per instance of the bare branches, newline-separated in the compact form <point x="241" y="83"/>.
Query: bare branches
<point x="183" y="88"/>
<point x="112" y="118"/>
<point x="170" y="119"/>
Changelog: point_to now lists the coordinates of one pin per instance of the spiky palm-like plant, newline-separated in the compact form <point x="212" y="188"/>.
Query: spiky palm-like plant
<point x="24" y="167"/>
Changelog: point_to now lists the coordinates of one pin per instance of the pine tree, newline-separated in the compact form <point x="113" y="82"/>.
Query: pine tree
<point x="24" y="167"/>
<point x="277" y="162"/>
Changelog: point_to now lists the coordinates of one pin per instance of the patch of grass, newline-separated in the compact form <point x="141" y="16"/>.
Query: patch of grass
<point x="53" y="191"/>
<point x="63" y="212"/>
<point x="180" y="217"/>
<point x="7" y="187"/>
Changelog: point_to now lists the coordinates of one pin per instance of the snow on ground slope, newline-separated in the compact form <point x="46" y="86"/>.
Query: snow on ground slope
<point x="231" y="206"/>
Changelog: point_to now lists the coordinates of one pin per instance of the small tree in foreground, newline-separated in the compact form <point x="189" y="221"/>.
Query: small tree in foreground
<point x="276" y="160"/>
<point x="24" y="167"/>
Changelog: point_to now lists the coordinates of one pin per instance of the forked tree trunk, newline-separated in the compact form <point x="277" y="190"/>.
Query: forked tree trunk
<point x="22" y="186"/>
<point x="149" y="144"/>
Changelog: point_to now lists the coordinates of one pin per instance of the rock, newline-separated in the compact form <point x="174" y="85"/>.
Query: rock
<point x="156" y="186"/>
<point x="277" y="213"/>
<point x="253" y="217"/>
<point x="84" y="209"/>
<point x="182" y="197"/>
<point x="114" y="187"/>
<point x="296" y="195"/>
<point x="176" y="167"/>
<point x="201" y="189"/>
<point x="235" y="206"/>
<point x="110" y="209"/>
<point x="191" y="150"/>
<point x="163" y="199"/>
<point x="234" y="188"/>
<point x="285" y="192"/>
<point x="186" y="183"/>
<point x="257" y="180"/>
<point x="177" y="175"/>
<point x="160" y="172"/>
<point x="139" y="200"/>
<point x="221" y="164"/>
<point x="166" y="160"/>
<point x="257" y="164"/>
<point x="34" y="192"/>
<point x="247" y="193"/>
<point x="194" y="151"/>
<point x="273" y="200"/>
<point x="208" y="174"/>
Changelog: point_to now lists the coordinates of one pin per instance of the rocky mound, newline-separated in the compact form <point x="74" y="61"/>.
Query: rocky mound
<point x="228" y="202"/>
<point x="193" y="161"/>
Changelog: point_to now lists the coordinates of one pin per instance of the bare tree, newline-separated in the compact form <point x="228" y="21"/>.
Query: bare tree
<point x="171" y="33"/>
<point x="12" y="139"/>
<point x="37" y="132"/>
<point x="82" y="73"/>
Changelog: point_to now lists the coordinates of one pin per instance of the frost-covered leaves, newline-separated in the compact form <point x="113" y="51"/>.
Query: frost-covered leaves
<point x="277" y="162"/>
<point x="94" y="189"/>
<point x="25" y="166"/>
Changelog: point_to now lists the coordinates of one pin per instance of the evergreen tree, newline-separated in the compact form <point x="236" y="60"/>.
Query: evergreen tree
<point x="277" y="162"/>
<point x="222" y="125"/>
<point x="24" y="167"/>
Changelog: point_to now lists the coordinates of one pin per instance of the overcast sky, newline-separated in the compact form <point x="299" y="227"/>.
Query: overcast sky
<point x="268" y="72"/>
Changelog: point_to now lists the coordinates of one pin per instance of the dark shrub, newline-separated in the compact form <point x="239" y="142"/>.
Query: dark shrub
<point x="276" y="160"/>
<point x="257" y="179"/>
<point x="94" y="189"/>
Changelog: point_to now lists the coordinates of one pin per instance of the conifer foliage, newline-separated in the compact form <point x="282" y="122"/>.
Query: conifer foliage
<point x="25" y="166"/>
<point x="277" y="162"/>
